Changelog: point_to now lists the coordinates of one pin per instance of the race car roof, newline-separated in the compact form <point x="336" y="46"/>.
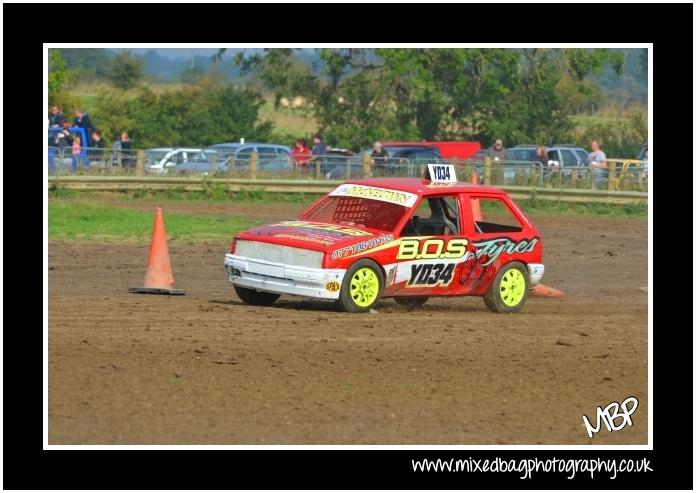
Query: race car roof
<point x="425" y="187"/>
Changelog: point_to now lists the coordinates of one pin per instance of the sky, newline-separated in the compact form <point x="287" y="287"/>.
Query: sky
<point x="178" y="52"/>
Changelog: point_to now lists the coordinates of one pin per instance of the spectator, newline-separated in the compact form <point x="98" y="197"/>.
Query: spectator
<point x="379" y="153"/>
<point x="541" y="156"/>
<point x="96" y="153"/>
<point x="76" y="150"/>
<point x="116" y="153"/>
<point x="497" y="152"/>
<point x="598" y="162"/>
<point x="318" y="150"/>
<point x="56" y="118"/>
<point x="82" y="120"/>
<point x="300" y="155"/>
<point x="63" y="141"/>
<point x="128" y="159"/>
<point x="62" y="138"/>
<point x="378" y="156"/>
<point x="646" y="162"/>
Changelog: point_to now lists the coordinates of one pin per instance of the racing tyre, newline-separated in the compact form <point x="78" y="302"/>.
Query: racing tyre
<point x="508" y="291"/>
<point x="256" y="298"/>
<point x="362" y="287"/>
<point x="411" y="302"/>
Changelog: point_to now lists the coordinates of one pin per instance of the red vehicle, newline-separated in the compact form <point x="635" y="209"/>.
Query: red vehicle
<point x="403" y="238"/>
<point x="448" y="149"/>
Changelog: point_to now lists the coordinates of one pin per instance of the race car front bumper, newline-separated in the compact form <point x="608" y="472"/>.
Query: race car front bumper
<point x="536" y="272"/>
<point x="283" y="279"/>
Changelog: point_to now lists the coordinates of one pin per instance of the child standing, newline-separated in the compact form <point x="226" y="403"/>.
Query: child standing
<point x="76" y="150"/>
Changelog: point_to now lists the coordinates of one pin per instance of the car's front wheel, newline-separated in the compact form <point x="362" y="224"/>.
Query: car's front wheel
<point x="508" y="291"/>
<point x="362" y="286"/>
<point x="256" y="298"/>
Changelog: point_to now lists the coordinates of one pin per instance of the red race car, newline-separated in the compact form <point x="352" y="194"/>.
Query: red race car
<point x="403" y="238"/>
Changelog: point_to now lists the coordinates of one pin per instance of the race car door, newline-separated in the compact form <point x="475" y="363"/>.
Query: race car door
<point x="431" y="248"/>
<point x="495" y="232"/>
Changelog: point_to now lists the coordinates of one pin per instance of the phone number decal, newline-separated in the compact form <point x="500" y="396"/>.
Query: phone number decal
<point x="362" y="246"/>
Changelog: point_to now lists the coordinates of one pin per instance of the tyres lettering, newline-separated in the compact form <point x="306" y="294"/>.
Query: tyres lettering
<point x="492" y="249"/>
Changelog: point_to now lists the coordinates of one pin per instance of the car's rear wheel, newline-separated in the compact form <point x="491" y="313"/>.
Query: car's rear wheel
<point x="362" y="287"/>
<point x="411" y="302"/>
<point x="256" y="298"/>
<point x="508" y="291"/>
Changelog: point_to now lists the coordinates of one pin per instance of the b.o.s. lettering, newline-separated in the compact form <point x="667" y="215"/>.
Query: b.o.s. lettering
<point x="432" y="248"/>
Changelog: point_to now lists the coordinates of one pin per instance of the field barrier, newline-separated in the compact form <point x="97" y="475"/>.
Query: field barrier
<point x="619" y="175"/>
<point x="192" y="183"/>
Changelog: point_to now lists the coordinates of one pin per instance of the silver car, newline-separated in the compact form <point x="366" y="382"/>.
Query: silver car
<point x="162" y="159"/>
<point x="567" y="155"/>
<point x="272" y="157"/>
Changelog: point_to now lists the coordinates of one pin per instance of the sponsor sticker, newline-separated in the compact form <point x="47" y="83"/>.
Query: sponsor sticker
<point x="333" y="286"/>
<point x="304" y="238"/>
<point x="495" y="247"/>
<point x="423" y="275"/>
<point x="432" y="248"/>
<point x="384" y="194"/>
<point x="337" y="228"/>
<point x="362" y="246"/>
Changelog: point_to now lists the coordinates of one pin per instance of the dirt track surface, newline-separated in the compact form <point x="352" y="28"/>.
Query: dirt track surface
<point x="204" y="368"/>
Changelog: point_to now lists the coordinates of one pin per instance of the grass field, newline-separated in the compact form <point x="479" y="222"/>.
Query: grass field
<point x="74" y="220"/>
<point x="195" y="217"/>
<point x="288" y="121"/>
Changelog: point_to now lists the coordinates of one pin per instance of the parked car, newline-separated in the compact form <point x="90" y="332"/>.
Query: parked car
<point x="564" y="154"/>
<point x="402" y="152"/>
<point x="155" y="155"/>
<point x="403" y="160"/>
<point x="337" y="161"/>
<point x="522" y="153"/>
<point x="521" y="159"/>
<point x="560" y="155"/>
<point x="162" y="159"/>
<point x="447" y="149"/>
<point x="479" y="155"/>
<point x="403" y="238"/>
<point x="272" y="157"/>
<point x="567" y="155"/>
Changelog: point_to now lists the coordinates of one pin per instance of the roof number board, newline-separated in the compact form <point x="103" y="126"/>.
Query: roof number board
<point x="442" y="173"/>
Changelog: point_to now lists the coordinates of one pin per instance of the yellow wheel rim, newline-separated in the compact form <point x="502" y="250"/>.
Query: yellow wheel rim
<point x="512" y="287"/>
<point x="364" y="287"/>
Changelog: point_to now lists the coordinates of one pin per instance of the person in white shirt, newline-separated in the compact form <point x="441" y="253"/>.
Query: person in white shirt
<point x="597" y="161"/>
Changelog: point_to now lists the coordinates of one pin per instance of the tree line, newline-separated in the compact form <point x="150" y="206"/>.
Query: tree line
<point x="523" y="96"/>
<point x="210" y="111"/>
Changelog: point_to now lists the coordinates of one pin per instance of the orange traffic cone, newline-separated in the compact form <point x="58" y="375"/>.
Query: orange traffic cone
<point x="158" y="278"/>
<point x="475" y="205"/>
<point x="546" y="292"/>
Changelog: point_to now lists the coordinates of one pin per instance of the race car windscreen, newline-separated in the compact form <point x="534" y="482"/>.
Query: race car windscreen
<point x="357" y="211"/>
